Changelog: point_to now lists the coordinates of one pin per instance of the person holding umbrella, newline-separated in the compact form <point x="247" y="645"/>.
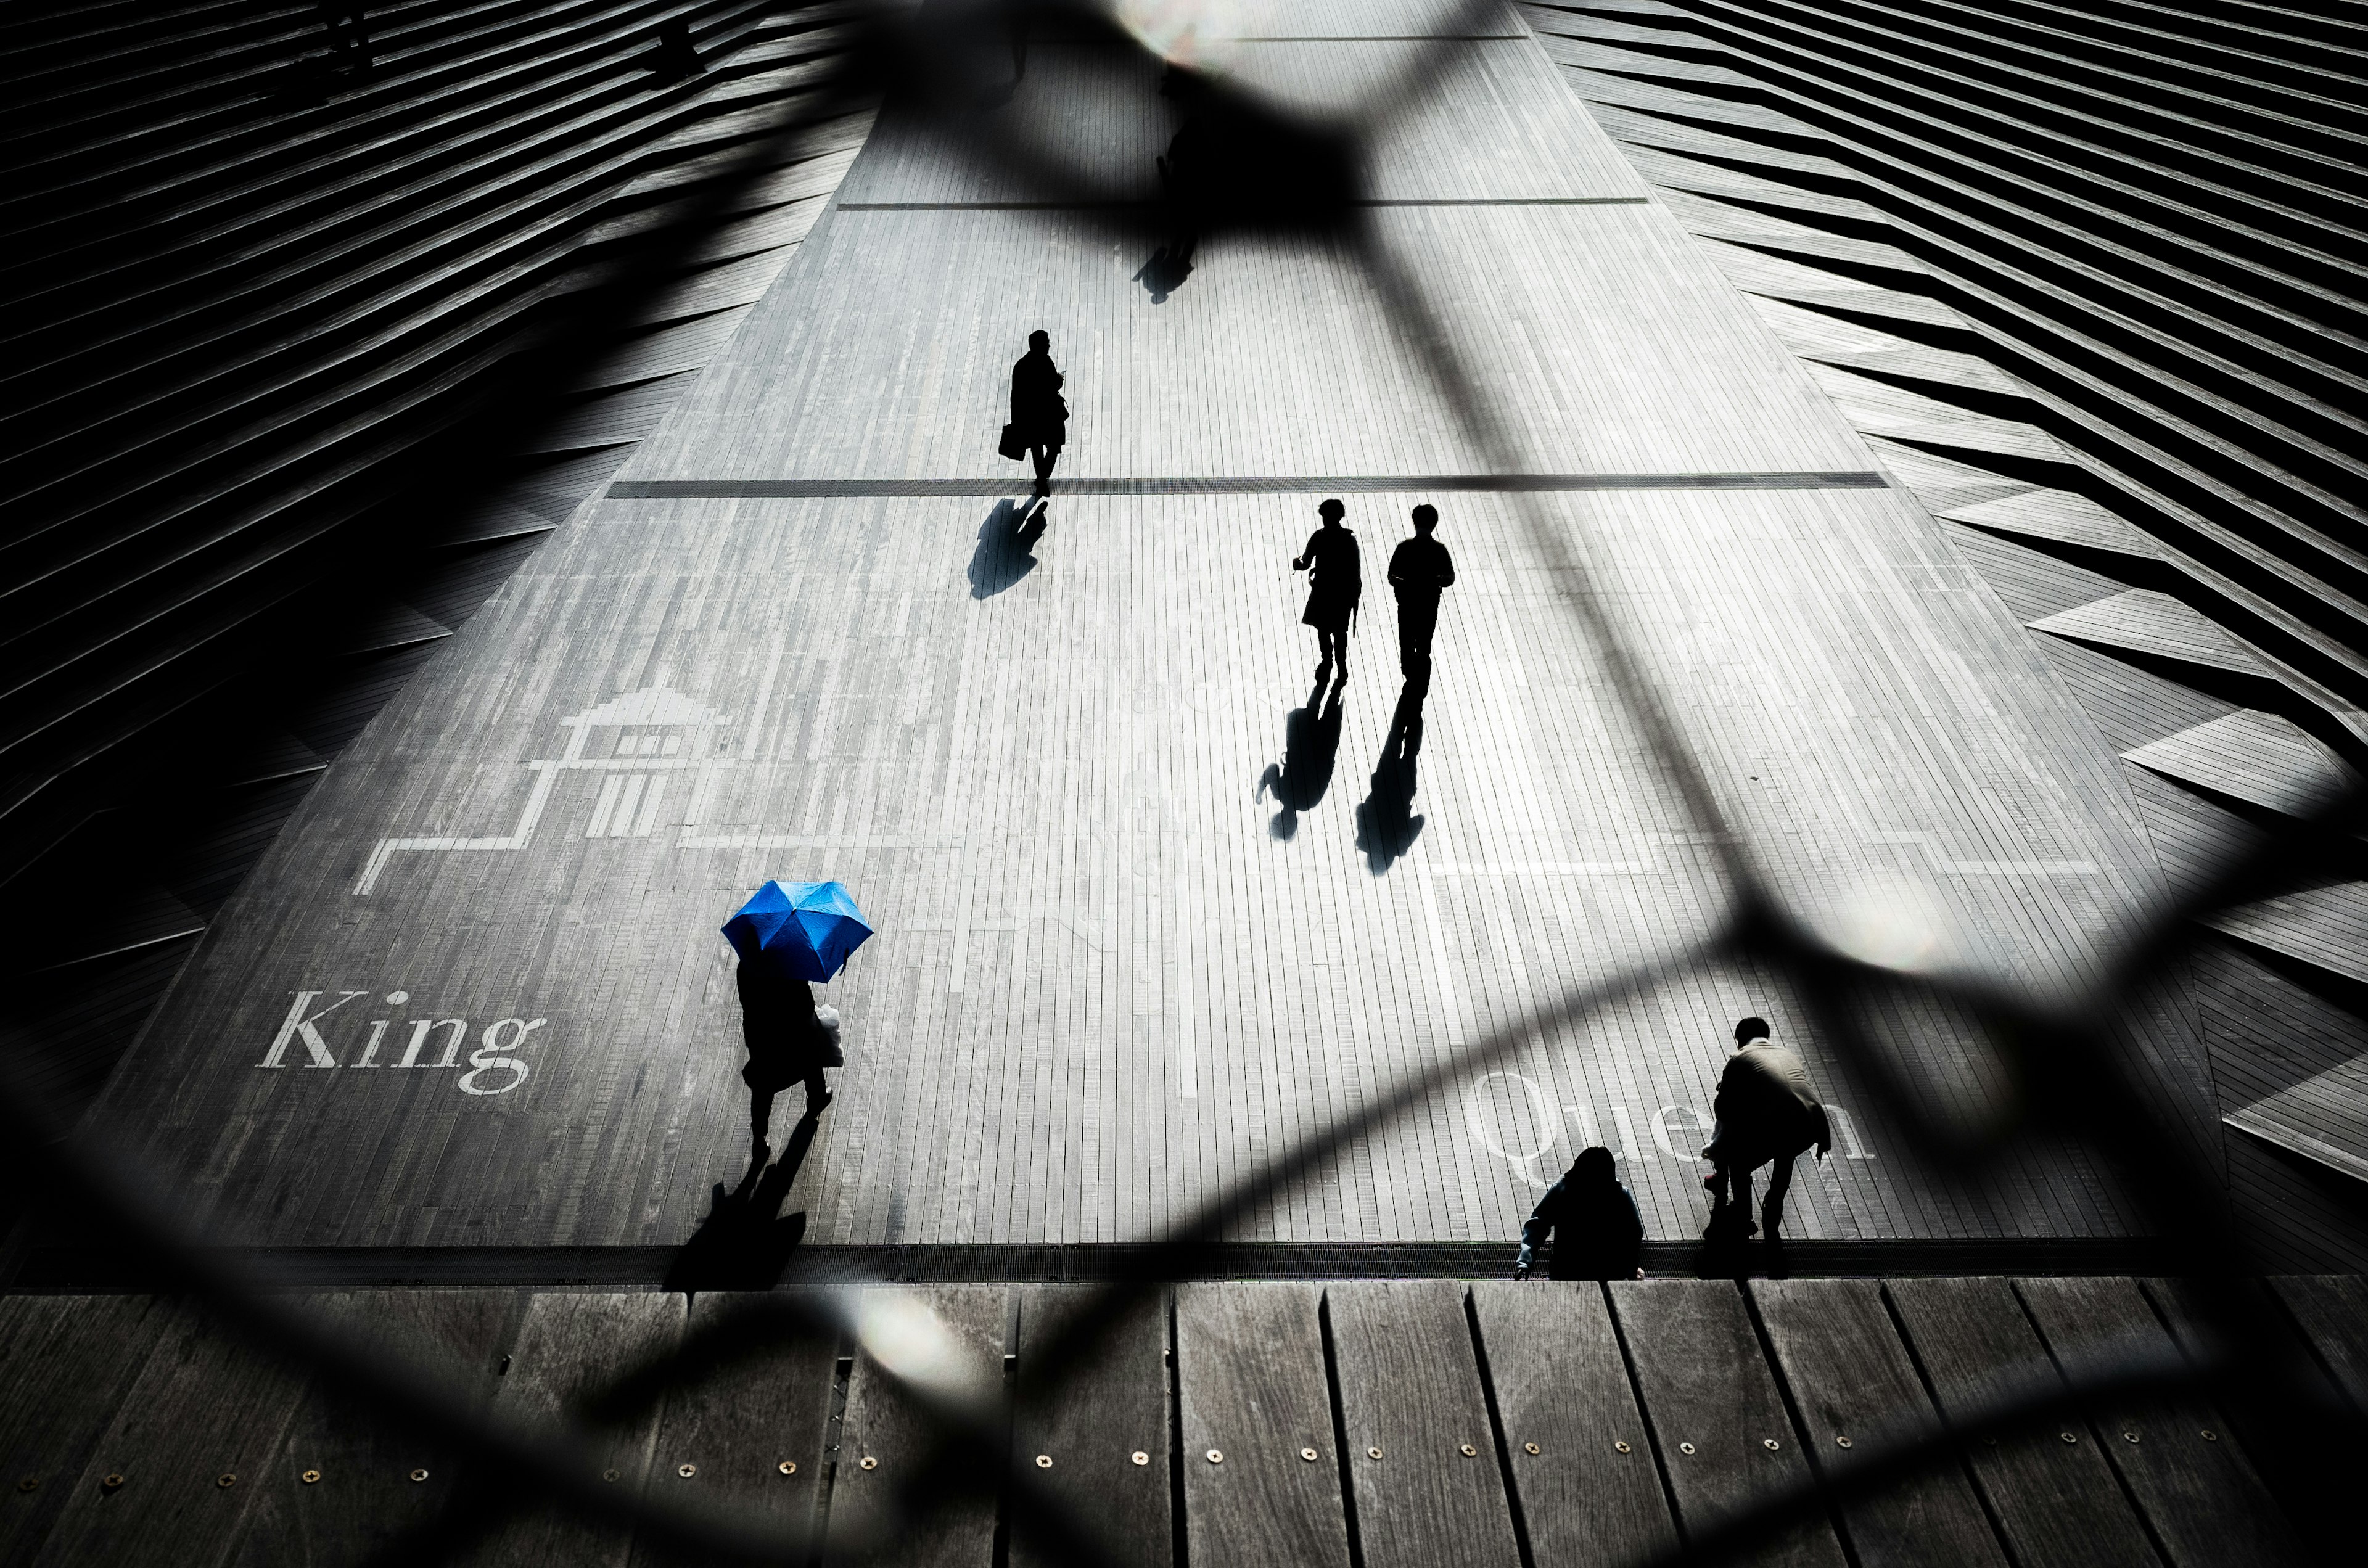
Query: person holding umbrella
<point x="787" y="938"/>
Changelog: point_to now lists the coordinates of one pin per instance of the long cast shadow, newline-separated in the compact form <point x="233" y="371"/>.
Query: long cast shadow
<point x="1386" y="825"/>
<point x="1006" y="541"/>
<point x="745" y="1240"/>
<point x="1310" y="746"/>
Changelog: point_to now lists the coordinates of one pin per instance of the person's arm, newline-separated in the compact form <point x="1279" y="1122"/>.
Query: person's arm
<point x="1534" y="1234"/>
<point x="1307" y="556"/>
<point x="1446" y="568"/>
<point x="1397" y="570"/>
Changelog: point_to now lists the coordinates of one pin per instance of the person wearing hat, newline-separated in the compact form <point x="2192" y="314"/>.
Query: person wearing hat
<point x="1597" y="1231"/>
<point x="1766" y="1113"/>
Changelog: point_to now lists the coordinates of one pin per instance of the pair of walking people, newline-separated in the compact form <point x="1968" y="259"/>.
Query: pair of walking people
<point x="1767" y="1114"/>
<point x="1421" y="570"/>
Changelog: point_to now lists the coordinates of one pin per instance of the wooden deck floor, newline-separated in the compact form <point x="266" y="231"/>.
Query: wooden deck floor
<point x="1149" y="907"/>
<point x="1427" y="1421"/>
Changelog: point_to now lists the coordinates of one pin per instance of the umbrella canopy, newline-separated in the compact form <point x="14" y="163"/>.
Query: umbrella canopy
<point x="806" y="930"/>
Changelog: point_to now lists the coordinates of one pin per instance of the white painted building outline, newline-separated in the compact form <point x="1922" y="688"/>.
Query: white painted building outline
<point x="660" y="732"/>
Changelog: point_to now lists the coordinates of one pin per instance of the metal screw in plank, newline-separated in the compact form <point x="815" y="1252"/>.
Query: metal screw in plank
<point x="1685" y="1448"/>
<point x="1620" y="1447"/>
<point x="1043" y="1461"/>
<point x="1468" y="1451"/>
<point x="1841" y="1442"/>
<point x="2129" y="1437"/>
<point x="868" y="1462"/>
<point x="418" y="1475"/>
<point x="1216" y="1456"/>
<point x="226" y="1480"/>
<point x="1307" y="1454"/>
<point x="2209" y="1436"/>
<point x="687" y="1471"/>
<point x="2069" y="1437"/>
<point x="787" y="1467"/>
<point x="311" y="1476"/>
<point x="608" y="1475"/>
<point x="1139" y="1457"/>
<point x="1532" y="1448"/>
<point x="1372" y="1453"/>
<point x="111" y="1482"/>
<point x="1770" y="1444"/>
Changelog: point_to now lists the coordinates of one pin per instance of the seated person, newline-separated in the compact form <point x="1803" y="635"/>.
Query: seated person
<point x="1597" y="1231"/>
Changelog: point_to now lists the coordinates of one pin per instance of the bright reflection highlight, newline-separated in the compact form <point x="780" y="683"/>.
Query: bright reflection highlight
<point x="1897" y="923"/>
<point x="905" y="1336"/>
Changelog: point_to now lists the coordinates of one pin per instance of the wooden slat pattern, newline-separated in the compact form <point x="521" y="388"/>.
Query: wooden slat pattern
<point x="65" y="1362"/>
<point x="2057" y="1503"/>
<point x="1091" y="1419"/>
<point x="1719" y="1424"/>
<point x="340" y="1486"/>
<point x="1852" y="1379"/>
<point x="1251" y="1386"/>
<point x="1560" y="1382"/>
<point x="568" y="1348"/>
<point x="2202" y="1498"/>
<point x="736" y="1429"/>
<point x="1410" y="1388"/>
<point x="951" y="1337"/>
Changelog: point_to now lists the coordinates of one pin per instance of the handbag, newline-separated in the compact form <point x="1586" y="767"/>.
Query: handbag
<point x="1011" y="446"/>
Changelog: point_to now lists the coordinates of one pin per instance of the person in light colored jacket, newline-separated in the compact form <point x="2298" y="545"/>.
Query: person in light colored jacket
<point x="1766" y="1113"/>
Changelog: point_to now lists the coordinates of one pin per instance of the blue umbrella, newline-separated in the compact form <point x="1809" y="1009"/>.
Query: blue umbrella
<point x="806" y="930"/>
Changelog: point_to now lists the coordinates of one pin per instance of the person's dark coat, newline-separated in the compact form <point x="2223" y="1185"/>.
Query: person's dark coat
<point x="1040" y="415"/>
<point x="1597" y="1234"/>
<point x="1420" y="570"/>
<point x="1766" y="1109"/>
<point x="786" y="1041"/>
<point x="1335" y="579"/>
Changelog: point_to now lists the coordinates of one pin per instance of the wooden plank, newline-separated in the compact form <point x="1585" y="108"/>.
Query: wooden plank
<point x="1250" y="1380"/>
<point x="2201" y="1498"/>
<point x="65" y="1362"/>
<point x="2147" y="622"/>
<point x="570" y="1349"/>
<point x="206" y="1405"/>
<point x="2057" y="1503"/>
<point x="1718" y="1422"/>
<point x="953" y="1335"/>
<point x="1104" y="1421"/>
<point x="1589" y="1492"/>
<point x="2324" y="925"/>
<point x="1410" y="1389"/>
<point x="1852" y="1379"/>
<point x="2253" y="757"/>
<point x="341" y="1486"/>
<point x="734" y="1430"/>
<point x="2332" y="1312"/>
<point x="2063" y="516"/>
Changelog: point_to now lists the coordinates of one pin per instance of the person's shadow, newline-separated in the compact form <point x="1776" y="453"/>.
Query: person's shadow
<point x="745" y="1240"/>
<point x="1005" y="544"/>
<point x="1386" y="825"/>
<point x="1166" y="271"/>
<point x="1310" y="746"/>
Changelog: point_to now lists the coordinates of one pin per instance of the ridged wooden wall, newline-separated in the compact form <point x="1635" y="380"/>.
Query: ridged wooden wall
<point x="300" y="358"/>
<point x="2090" y="276"/>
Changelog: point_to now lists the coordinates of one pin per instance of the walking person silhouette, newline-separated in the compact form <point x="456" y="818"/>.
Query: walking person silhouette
<point x="1335" y="582"/>
<point x="1420" y="570"/>
<point x="1040" y="415"/>
<point x="788" y="1038"/>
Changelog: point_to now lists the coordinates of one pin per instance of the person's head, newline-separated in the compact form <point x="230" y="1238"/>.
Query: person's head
<point x="1041" y="341"/>
<point x="1332" y="512"/>
<point x="1426" y="517"/>
<point x="1750" y="1029"/>
<point x="1593" y="1165"/>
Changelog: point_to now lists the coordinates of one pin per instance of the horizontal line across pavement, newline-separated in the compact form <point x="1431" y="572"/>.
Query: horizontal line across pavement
<point x="1161" y="206"/>
<point x="1283" y="484"/>
<point x="649" y="1267"/>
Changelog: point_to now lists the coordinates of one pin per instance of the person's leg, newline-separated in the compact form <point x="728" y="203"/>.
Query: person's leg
<point x="760" y="1118"/>
<point x="817" y="1093"/>
<point x="1779" y="1182"/>
<point x="1041" y="456"/>
<point x="1739" y="1182"/>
